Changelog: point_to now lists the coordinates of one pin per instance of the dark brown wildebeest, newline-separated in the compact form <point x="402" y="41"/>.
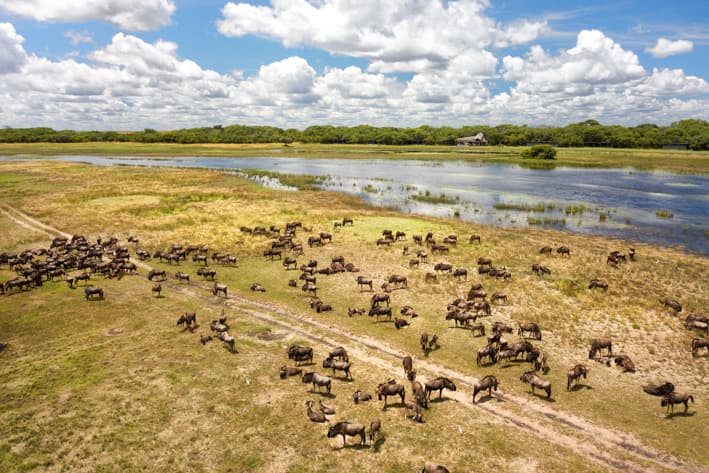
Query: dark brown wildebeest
<point x="414" y="262"/>
<point x="201" y="258"/>
<point x="430" y="467"/>
<point x="374" y="428"/>
<point x="447" y="267"/>
<point x="400" y="236"/>
<point x="362" y="281"/>
<point x="461" y="318"/>
<point x="91" y="291"/>
<point x="314" y="241"/>
<point x="424" y="341"/>
<point x="360" y="396"/>
<point x="157" y="290"/>
<point x="187" y="319"/>
<point x="498" y="296"/>
<point x="697" y="325"/>
<point x="377" y="298"/>
<point x="599" y="283"/>
<point x="479" y="328"/>
<point x="484" y="262"/>
<point x="292" y="283"/>
<point x="300" y="353"/>
<point x="697" y="318"/>
<point x="659" y="389"/>
<point x="159" y="274"/>
<point x="339" y="353"/>
<point x="418" y="239"/>
<point x="218" y="287"/>
<point x="408" y="363"/>
<point x="325" y="236"/>
<point x="598" y="344"/>
<point x="461" y="273"/>
<point x="398" y="280"/>
<point x="380" y="312"/>
<point x="383" y="242"/>
<point x="536" y="382"/>
<point x="626" y="363"/>
<point x="339" y="365"/>
<point x="676" y="398"/>
<point x="400" y="323"/>
<point x="353" y="311"/>
<point x="489" y="351"/>
<point x="272" y="254"/>
<point x="290" y="263"/>
<point x="575" y="374"/>
<point x="347" y="429"/>
<point x="180" y="276"/>
<point x="317" y="379"/>
<point x="474" y="238"/>
<point x="489" y="382"/>
<point x="540" y="269"/>
<point x="313" y="415"/>
<point x="286" y="371"/>
<point x="530" y="328"/>
<point x="204" y="339"/>
<point x="207" y="273"/>
<point x="256" y="287"/>
<point x="505" y="355"/>
<point x="320" y="306"/>
<point x="346" y="221"/>
<point x="439" y="384"/>
<point x="430" y="277"/>
<point x="439" y="249"/>
<point x="390" y="389"/>
<point x="563" y="251"/>
<point x="698" y="343"/>
<point x="546" y="250"/>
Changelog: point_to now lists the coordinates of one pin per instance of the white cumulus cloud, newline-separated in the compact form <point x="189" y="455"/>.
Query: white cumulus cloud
<point x="665" y="47"/>
<point x="131" y="15"/>
<point x="12" y="54"/>
<point x="395" y="36"/>
<point x="78" y="37"/>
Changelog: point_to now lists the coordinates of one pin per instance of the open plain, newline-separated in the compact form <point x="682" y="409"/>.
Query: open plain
<point x="114" y="385"/>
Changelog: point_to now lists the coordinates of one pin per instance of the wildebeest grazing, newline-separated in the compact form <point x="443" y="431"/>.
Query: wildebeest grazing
<point x="339" y="353"/>
<point x="598" y="283"/>
<point x="415" y="408"/>
<point x="672" y="304"/>
<point x="599" y="344"/>
<point x="156" y="290"/>
<point x="575" y="374"/>
<point x="489" y="382"/>
<point x="362" y="281"/>
<point x="536" y="382"/>
<point x="346" y="429"/>
<point x="187" y="319"/>
<point x="626" y="363"/>
<point x="676" y="398"/>
<point x="430" y="467"/>
<point x="228" y="340"/>
<point x="204" y="339"/>
<point x="286" y="371"/>
<point x="339" y="365"/>
<point x="698" y="343"/>
<point x="91" y="291"/>
<point x="659" y="389"/>
<point x="488" y="351"/>
<point x="159" y="274"/>
<point x="256" y="287"/>
<point x="300" y="353"/>
<point x="317" y="380"/>
<point x="379" y="297"/>
<point x="218" y="287"/>
<point x="374" y="427"/>
<point x="408" y="363"/>
<point x="180" y="276"/>
<point x="390" y="389"/>
<point x="530" y="328"/>
<point x="439" y="384"/>
<point x="380" y="312"/>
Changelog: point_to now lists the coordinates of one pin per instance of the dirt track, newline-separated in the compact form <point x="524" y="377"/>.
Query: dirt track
<point x="606" y="447"/>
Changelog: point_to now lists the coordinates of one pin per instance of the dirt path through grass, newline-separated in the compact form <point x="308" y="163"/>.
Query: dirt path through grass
<point x="604" y="446"/>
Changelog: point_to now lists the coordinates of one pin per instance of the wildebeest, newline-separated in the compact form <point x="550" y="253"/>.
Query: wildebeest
<point x="228" y="340"/>
<point x="575" y="374"/>
<point x="313" y="415"/>
<point x="400" y="323"/>
<point x="498" y="296"/>
<point x="327" y="410"/>
<point x="380" y="312"/>
<point x="204" y="339"/>
<point x="207" y="273"/>
<point x="530" y="328"/>
<point x="447" y="267"/>
<point x="161" y="274"/>
<point x="698" y="343"/>
<point x="339" y="353"/>
<point x="461" y="318"/>
<point x="374" y="428"/>
<point x="439" y="384"/>
<point x="489" y="382"/>
<point x="408" y="364"/>
<point x="461" y="273"/>
<point x="339" y="365"/>
<point x="600" y="344"/>
<point x="200" y="258"/>
<point x="346" y="221"/>
<point x="346" y="429"/>
<point x="290" y="263"/>
<point x="672" y="304"/>
<point x="390" y="389"/>
<point x="317" y="379"/>
<point x="311" y="288"/>
<point x="488" y="351"/>
<point x="563" y="251"/>
<point x="430" y="277"/>
<point x="351" y="311"/>
<point x="415" y="408"/>
<point x="180" y="276"/>
<point x="540" y="269"/>
<point x="536" y="382"/>
<point x="380" y="297"/>
<point x="484" y="262"/>
<point x="599" y="283"/>
<point x="362" y="281"/>
<point x="545" y="250"/>
<point x="187" y="319"/>
<point x="659" y="389"/>
<point x="218" y="287"/>
<point x="157" y="290"/>
<point x="314" y="241"/>
<point x="383" y="242"/>
<point x="430" y="467"/>
<point x="424" y="341"/>
<point x="300" y="353"/>
<point x="91" y="291"/>
<point x="256" y="287"/>
<point x="360" y="396"/>
<point x="398" y="280"/>
<point x="697" y="325"/>
<point x="286" y="371"/>
<point x="676" y="398"/>
<point x="626" y="363"/>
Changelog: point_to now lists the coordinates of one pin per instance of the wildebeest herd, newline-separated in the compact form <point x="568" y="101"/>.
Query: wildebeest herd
<point x="77" y="260"/>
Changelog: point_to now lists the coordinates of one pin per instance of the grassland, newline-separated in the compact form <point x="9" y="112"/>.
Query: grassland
<point x="113" y="385"/>
<point x="687" y="162"/>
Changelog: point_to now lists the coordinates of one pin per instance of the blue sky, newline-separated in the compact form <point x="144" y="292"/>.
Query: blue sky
<point x="132" y="64"/>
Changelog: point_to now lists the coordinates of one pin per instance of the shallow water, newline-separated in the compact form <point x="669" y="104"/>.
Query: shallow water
<point x="627" y="198"/>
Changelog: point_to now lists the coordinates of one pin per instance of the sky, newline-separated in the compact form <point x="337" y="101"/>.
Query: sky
<point x="170" y="64"/>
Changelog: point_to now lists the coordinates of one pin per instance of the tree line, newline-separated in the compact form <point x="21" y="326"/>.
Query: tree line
<point x="693" y="132"/>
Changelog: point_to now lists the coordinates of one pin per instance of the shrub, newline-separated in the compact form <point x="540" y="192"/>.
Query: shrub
<point x="539" y="152"/>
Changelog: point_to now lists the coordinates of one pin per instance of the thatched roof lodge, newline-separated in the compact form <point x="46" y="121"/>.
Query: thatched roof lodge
<point x="477" y="140"/>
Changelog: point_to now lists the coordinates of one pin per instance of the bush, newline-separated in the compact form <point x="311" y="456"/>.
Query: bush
<point x="539" y="152"/>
